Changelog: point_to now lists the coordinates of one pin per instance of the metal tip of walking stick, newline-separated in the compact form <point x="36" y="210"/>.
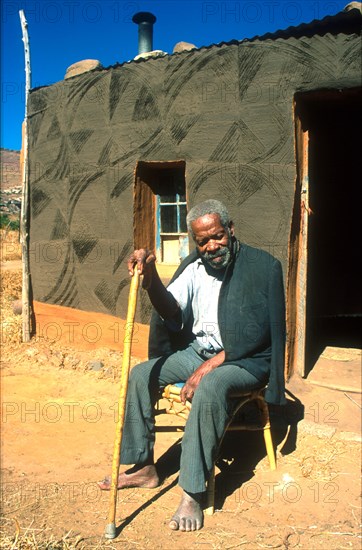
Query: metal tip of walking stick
<point x="110" y="532"/>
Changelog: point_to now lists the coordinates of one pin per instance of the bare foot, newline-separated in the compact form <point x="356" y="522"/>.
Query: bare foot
<point x="145" y="476"/>
<point x="189" y="515"/>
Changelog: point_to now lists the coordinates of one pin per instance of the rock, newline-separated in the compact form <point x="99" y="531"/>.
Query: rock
<point x="31" y="352"/>
<point x="57" y="360"/>
<point x="43" y="358"/>
<point x="108" y="373"/>
<point x="17" y="307"/>
<point x="183" y="47"/>
<point x="153" y="53"/>
<point x="71" y="362"/>
<point x="353" y="6"/>
<point x="82" y="67"/>
<point x="95" y="365"/>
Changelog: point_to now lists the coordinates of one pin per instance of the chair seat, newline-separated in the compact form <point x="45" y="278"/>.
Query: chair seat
<point x="172" y="394"/>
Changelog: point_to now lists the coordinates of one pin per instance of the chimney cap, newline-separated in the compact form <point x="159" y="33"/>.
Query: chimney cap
<point x="144" y="17"/>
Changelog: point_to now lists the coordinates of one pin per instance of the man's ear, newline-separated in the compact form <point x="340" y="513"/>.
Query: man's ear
<point x="231" y="227"/>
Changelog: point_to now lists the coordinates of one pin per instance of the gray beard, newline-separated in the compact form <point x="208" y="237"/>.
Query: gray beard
<point x="225" y="253"/>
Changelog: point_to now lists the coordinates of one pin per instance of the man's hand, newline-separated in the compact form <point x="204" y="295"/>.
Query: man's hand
<point x="188" y="390"/>
<point x="161" y="299"/>
<point x="145" y="260"/>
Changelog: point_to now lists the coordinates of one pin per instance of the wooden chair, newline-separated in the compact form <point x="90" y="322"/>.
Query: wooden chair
<point x="172" y="394"/>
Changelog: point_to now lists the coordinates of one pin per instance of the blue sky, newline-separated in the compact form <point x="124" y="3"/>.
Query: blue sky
<point x="65" y="31"/>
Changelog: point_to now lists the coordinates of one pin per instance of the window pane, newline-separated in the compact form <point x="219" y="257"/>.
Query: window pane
<point x="168" y="198"/>
<point x="183" y="226"/>
<point x="168" y="219"/>
<point x="170" y="250"/>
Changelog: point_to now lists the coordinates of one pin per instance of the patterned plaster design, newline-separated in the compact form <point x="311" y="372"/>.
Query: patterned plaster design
<point x="227" y="111"/>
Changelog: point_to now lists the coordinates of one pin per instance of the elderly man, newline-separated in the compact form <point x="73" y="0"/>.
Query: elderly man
<point x="220" y="328"/>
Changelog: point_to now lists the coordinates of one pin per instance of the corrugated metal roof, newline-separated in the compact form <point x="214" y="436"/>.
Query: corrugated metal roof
<point x="344" y="22"/>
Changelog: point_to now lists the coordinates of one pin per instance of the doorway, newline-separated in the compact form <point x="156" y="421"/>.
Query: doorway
<point x="325" y="240"/>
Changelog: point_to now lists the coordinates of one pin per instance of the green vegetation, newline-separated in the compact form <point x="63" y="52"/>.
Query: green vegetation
<point x="9" y="222"/>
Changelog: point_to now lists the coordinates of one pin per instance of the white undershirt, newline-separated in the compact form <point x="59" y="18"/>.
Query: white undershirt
<point x="197" y="292"/>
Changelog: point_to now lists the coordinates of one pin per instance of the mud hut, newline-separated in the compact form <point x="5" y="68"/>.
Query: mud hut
<point x="270" y="125"/>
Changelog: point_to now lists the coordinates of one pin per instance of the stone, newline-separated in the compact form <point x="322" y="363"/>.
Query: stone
<point x="71" y="362"/>
<point x="81" y="67"/>
<point x="56" y="361"/>
<point x="95" y="365"/>
<point x="108" y="373"/>
<point x="17" y="307"/>
<point x="183" y="47"/>
<point x="31" y="352"/>
<point x="353" y="6"/>
<point x="43" y="358"/>
<point x="153" y="53"/>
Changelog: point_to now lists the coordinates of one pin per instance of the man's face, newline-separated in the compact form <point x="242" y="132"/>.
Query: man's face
<point x="213" y="241"/>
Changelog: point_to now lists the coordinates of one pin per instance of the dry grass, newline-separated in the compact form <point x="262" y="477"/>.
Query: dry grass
<point x="319" y="462"/>
<point x="29" y="538"/>
<point x="11" y="284"/>
<point x="10" y="290"/>
<point x="10" y="248"/>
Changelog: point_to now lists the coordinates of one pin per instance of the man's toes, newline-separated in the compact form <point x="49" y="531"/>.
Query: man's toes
<point x="182" y="524"/>
<point x="186" y="524"/>
<point x="174" y="524"/>
<point x="189" y="523"/>
<point x="105" y="484"/>
<point x="198" y="524"/>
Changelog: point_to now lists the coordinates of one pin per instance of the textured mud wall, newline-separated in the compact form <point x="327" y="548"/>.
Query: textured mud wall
<point x="226" y="111"/>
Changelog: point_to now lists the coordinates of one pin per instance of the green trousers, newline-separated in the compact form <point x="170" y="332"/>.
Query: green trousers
<point x="210" y="412"/>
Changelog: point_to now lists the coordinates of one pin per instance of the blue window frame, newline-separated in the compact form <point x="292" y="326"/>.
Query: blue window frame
<point x="171" y="229"/>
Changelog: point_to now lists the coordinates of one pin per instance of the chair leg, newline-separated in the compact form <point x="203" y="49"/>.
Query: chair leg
<point x="210" y="493"/>
<point x="263" y="407"/>
<point x="269" y="446"/>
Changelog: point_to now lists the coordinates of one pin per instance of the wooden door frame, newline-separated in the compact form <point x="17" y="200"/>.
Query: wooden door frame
<point x="296" y="302"/>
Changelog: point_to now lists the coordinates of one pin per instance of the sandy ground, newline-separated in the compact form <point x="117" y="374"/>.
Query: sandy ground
<point x="58" y="427"/>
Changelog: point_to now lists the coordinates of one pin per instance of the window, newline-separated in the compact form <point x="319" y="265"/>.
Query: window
<point x="171" y="232"/>
<point x="160" y="210"/>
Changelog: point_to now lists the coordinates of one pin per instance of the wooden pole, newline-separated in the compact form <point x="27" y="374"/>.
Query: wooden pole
<point x="24" y="221"/>
<point x="110" y="531"/>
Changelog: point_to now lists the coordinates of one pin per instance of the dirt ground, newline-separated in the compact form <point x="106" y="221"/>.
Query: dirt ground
<point x="58" y="427"/>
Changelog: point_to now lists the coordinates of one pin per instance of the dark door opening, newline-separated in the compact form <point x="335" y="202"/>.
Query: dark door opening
<point x="332" y="120"/>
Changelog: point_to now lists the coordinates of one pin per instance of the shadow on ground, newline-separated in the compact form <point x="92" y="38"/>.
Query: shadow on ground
<point x="241" y="451"/>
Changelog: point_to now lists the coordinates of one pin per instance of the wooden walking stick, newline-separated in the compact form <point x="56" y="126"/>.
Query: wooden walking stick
<point x="110" y="532"/>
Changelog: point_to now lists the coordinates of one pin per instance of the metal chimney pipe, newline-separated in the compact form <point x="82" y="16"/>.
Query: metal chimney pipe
<point x="145" y="21"/>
